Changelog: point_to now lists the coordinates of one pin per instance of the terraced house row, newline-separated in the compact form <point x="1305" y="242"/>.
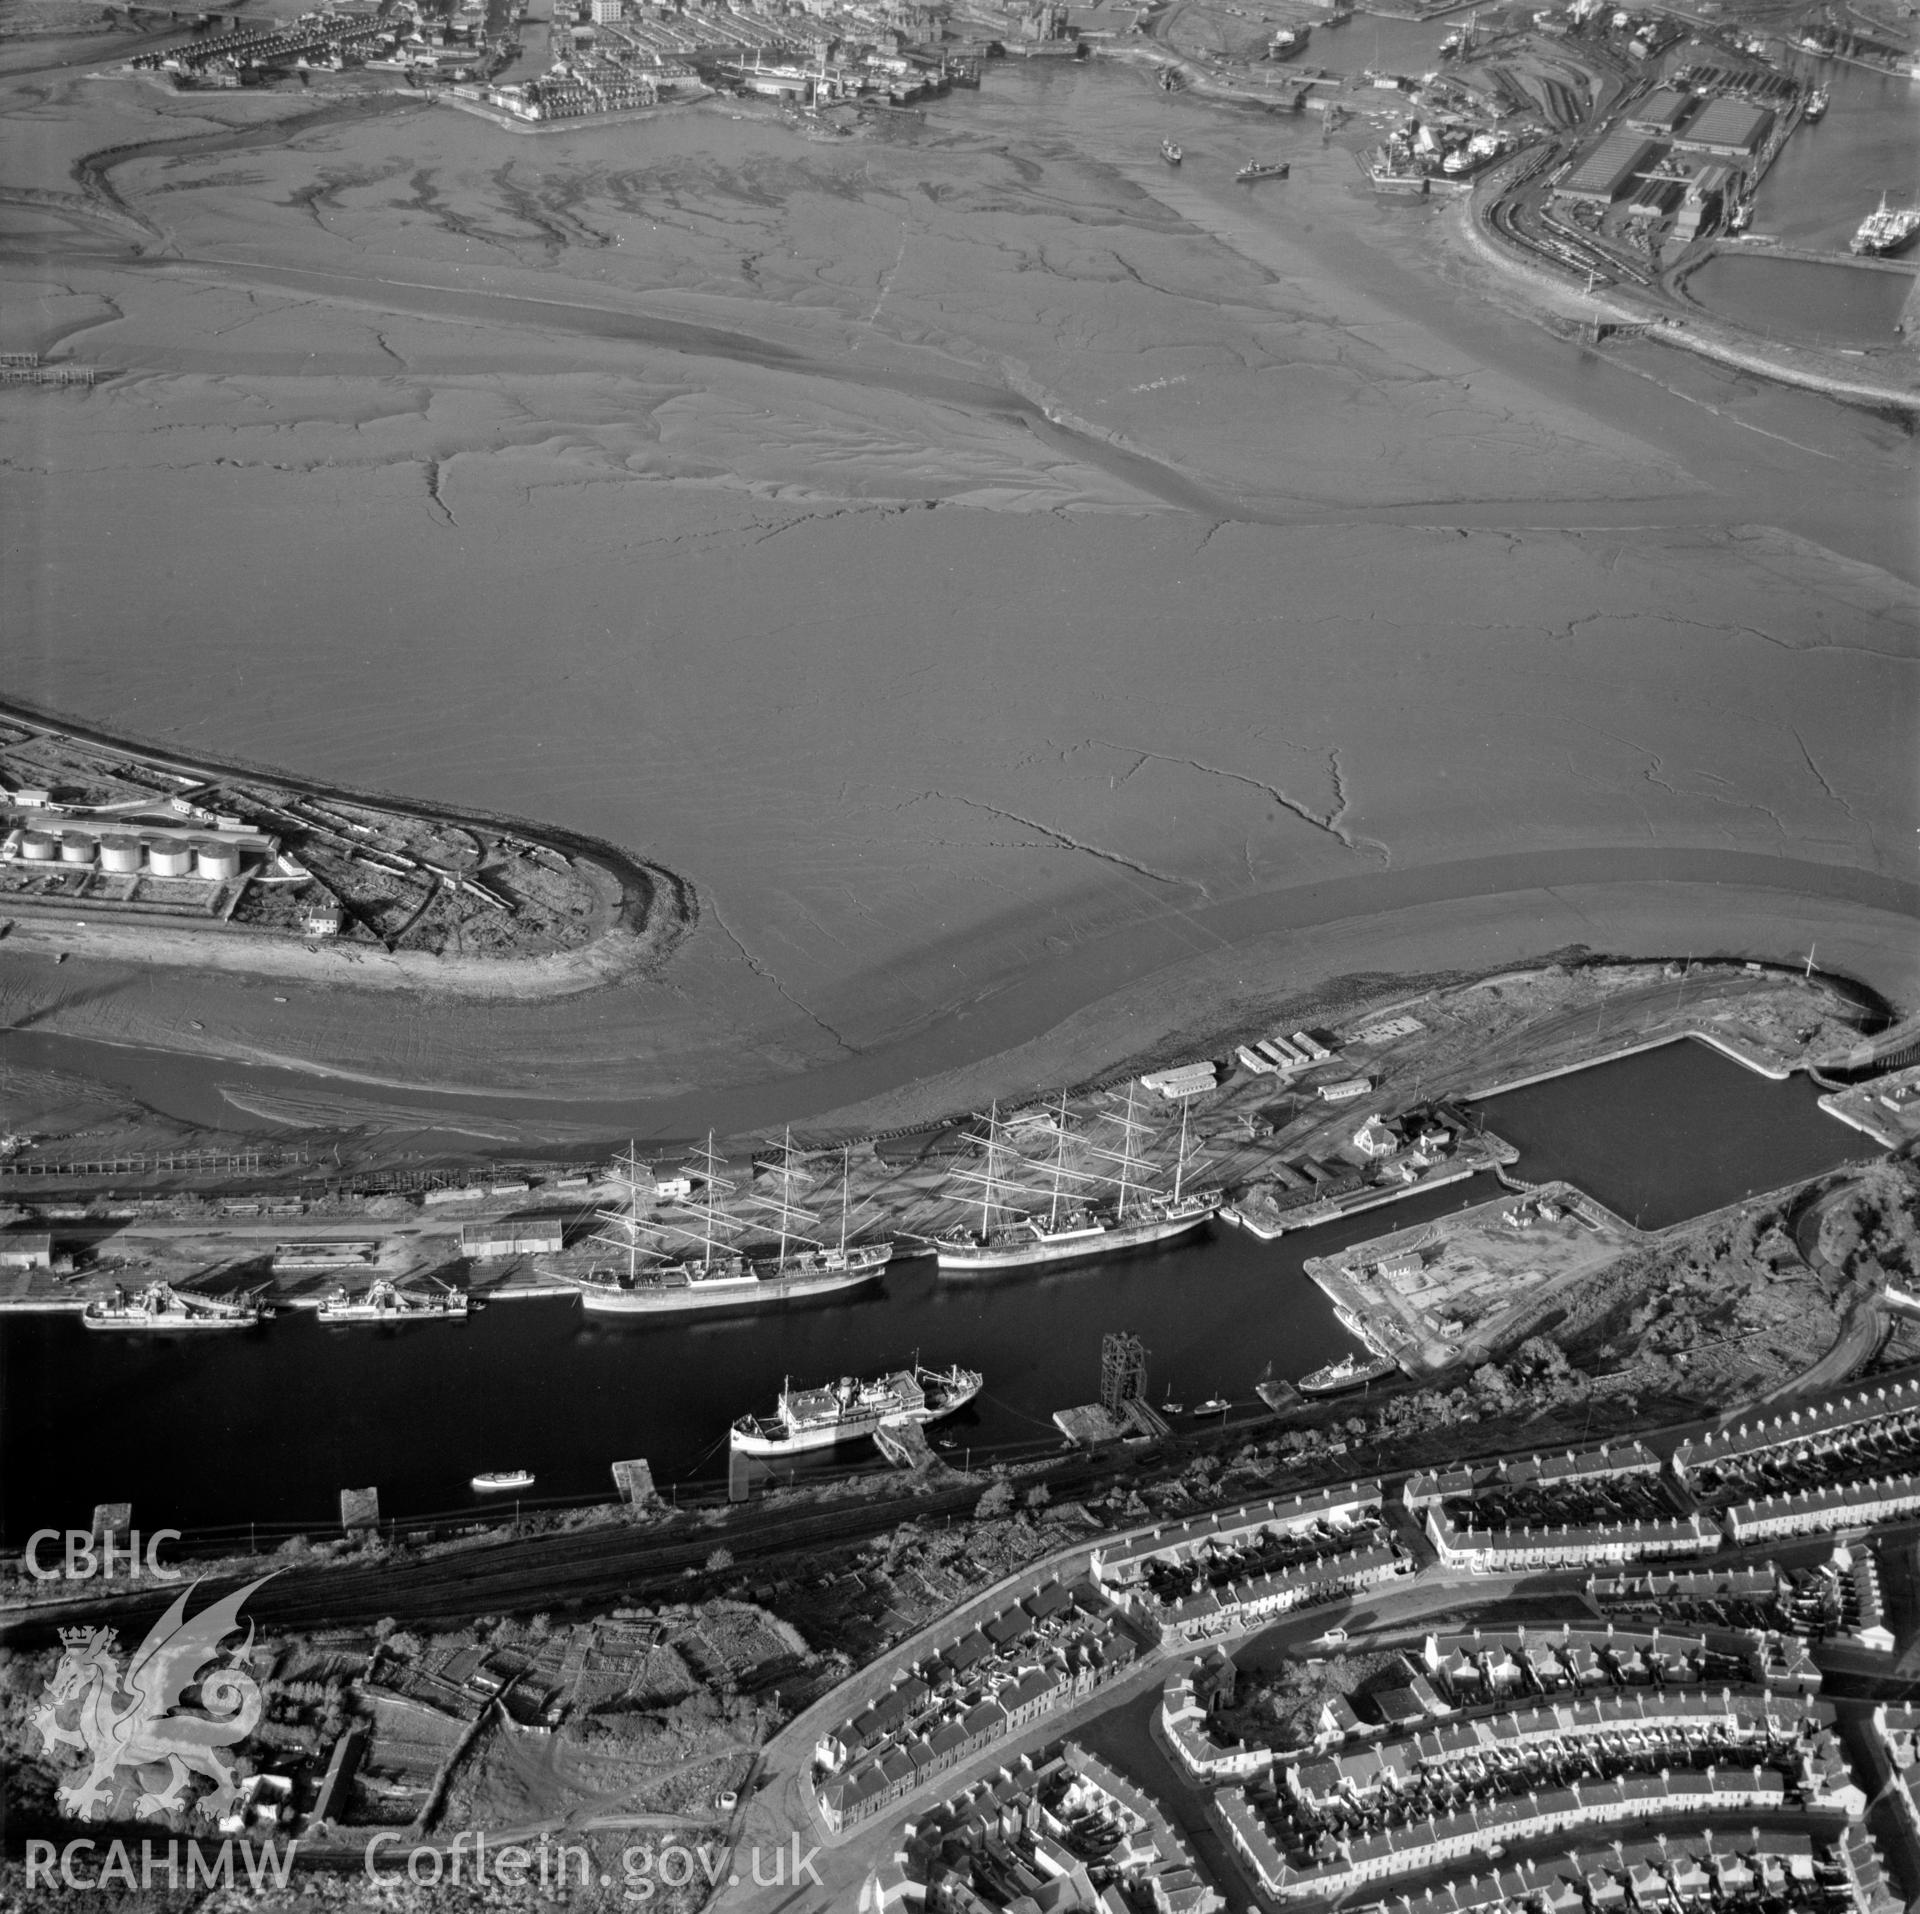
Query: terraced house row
<point x="1505" y="1551"/>
<point x="1055" y="1647"/>
<point x="1743" y="1716"/>
<point x="1485" y="1664"/>
<point x="1218" y="1574"/>
<point x="1471" y="1669"/>
<point x="1122" y="1564"/>
<point x="1663" y="1588"/>
<point x="1062" y="1831"/>
<point x="1820" y="1511"/>
<point x="1419" y="1845"/>
<point x="1242" y="1605"/>
<point x="1369" y="1814"/>
<point x="1713" y="1868"/>
<point x="1611" y="1461"/>
<point x="1892" y="1408"/>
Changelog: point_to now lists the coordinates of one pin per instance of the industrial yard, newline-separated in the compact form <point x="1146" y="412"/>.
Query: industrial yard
<point x="98" y="836"/>
<point x="1478" y="1282"/>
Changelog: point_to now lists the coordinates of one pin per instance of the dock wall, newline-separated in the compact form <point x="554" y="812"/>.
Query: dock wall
<point x="1774" y="1073"/>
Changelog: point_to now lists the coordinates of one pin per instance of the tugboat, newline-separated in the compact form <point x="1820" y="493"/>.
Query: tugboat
<point x="498" y="1479"/>
<point x="1265" y="169"/>
<point x="1213" y="1406"/>
<point x="160" y="1306"/>
<point x="1817" y="103"/>
<point x="850" y="1408"/>
<point x="1171" y="153"/>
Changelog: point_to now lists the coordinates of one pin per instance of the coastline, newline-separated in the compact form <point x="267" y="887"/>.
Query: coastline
<point x="1806" y="367"/>
<point x="646" y="909"/>
<point x="1140" y="1005"/>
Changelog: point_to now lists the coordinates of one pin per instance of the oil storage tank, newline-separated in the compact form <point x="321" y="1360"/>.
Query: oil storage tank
<point x="76" y="847"/>
<point x="121" y="854"/>
<point x="170" y="857"/>
<point x="38" y="848"/>
<point x="216" y="861"/>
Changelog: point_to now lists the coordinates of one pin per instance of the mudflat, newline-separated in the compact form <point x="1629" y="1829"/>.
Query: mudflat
<point x="1021" y="591"/>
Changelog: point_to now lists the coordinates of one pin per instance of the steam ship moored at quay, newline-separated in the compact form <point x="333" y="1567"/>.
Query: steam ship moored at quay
<point x="384" y="1302"/>
<point x="849" y="1409"/>
<point x="1350" y="1372"/>
<point x="1885" y="230"/>
<point x="160" y="1306"/>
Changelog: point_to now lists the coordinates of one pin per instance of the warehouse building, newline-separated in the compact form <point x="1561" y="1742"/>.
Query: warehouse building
<point x="1609" y="169"/>
<point x="1727" y="129"/>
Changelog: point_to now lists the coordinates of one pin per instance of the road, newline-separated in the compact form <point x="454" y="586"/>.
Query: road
<point x="1115" y="1723"/>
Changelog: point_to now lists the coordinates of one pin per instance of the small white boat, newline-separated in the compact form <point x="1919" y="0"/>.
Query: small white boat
<point x="498" y="1479"/>
<point x="1213" y="1406"/>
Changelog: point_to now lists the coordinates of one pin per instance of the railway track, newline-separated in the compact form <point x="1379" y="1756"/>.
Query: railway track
<point x="546" y="1571"/>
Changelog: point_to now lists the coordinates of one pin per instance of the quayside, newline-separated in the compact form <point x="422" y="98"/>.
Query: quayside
<point x="1671" y="1132"/>
<point x="194" y="1439"/>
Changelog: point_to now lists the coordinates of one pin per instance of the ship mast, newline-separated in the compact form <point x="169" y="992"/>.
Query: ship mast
<point x="786" y="1190"/>
<point x="1133" y="1167"/>
<point x="986" y="1187"/>
<point x="1059" y="1161"/>
<point x="993" y="1183"/>
<point x="1180" y="1162"/>
<point x="790" y="1212"/>
<point x="622" y="1227"/>
<point x="706" y="1208"/>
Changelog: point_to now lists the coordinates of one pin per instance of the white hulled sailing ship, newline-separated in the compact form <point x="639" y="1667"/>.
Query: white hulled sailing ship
<point x="1130" y="1215"/>
<point x="850" y="1408"/>
<point x="160" y="1306"/>
<point x="384" y="1302"/>
<point x="712" y="1271"/>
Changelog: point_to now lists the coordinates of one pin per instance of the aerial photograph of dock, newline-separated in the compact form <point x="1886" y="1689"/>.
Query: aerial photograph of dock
<point x="960" y="957"/>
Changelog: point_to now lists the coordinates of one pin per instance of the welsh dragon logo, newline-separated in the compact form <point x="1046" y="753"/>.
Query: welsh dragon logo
<point x="134" y="1718"/>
